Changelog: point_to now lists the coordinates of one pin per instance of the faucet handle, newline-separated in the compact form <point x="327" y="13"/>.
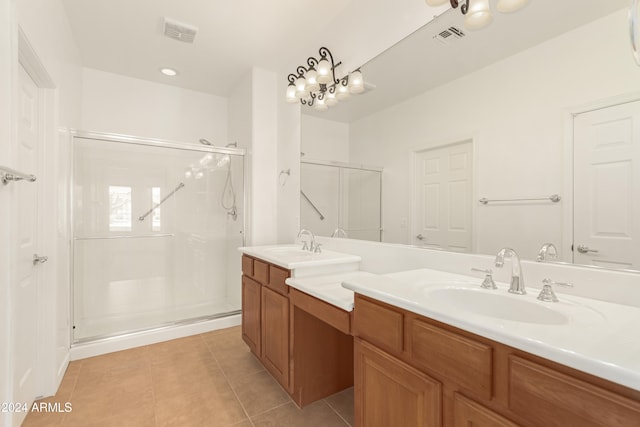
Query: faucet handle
<point x="317" y="249"/>
<point x="547" y="294"/>
<point x="488" y="282"/>
<point x="305" y="245"/>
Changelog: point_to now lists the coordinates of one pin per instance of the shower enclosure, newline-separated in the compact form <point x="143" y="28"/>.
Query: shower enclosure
<point x="335" y="195"/>
<point x="156" y="230"/>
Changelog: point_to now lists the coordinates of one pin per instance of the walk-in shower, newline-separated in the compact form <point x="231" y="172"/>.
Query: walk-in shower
<point x="156" y="231"/>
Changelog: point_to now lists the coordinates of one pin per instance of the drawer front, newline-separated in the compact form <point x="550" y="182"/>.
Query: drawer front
<point x="549" y="398"/>
<point x="261" y="271"/>
<point x="465" y="362"/>
<point x="247" y="266"/>
<point x="277" y="276"/>
<point x="379" y="324"/>
<point x="328" y="313"/>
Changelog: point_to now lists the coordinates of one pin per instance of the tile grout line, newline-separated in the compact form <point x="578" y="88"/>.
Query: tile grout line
<point x="336" y="411"/>
<point x="153" y="388"/>
<point x="224" y="374"/>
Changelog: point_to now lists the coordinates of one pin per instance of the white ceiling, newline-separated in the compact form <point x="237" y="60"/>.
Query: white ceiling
<point x="125" y="37"/>
<point x="419" y="63"/>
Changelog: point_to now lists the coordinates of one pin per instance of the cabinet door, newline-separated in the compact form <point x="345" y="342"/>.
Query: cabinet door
<point x="251" y="294"/>
<point x="467" y="413"/>
<point x="390" y="393"/>
<point x="275" y="335"/>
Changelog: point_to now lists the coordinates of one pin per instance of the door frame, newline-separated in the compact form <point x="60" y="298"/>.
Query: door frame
<point x="569" y="143"/>
<point x="415" y="151"/>
<point x="51" y="365"/>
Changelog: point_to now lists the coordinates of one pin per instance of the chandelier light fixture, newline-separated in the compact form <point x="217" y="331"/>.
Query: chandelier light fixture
<point x="477" y="13"/>
<point x="317" y="86"/>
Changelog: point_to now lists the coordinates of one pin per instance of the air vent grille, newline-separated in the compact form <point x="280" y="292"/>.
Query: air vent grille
<point x="449" y="35"/>
<point x="179" y="31"/>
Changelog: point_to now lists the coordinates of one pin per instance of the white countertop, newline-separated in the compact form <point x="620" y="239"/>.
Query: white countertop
<point x="329" y="288"/>
<point x="600" y="338"/>
<point x="292" y="257"/>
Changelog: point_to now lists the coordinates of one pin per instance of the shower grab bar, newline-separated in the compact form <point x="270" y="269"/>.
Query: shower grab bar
<point x="123" y="237"/>
<point x="7" y="175"/>
<point x="150" y="211"/>
<point x="312" y="205"/>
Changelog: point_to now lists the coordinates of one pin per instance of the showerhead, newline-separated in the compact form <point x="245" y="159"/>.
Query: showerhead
<point x="205" y="142"/>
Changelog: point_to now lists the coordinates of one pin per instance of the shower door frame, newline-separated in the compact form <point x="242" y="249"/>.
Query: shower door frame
<point x="354" y="166"/>
<point x="151" y="142"/>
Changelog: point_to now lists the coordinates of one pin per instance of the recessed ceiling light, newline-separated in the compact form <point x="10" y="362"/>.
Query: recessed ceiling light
<point x="169" y="72"/>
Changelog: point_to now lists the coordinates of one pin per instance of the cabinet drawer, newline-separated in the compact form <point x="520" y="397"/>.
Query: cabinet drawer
<point x="466" y="362"/>
<point x="326" y="312"/>
<point x="277" y="276"/>
<point x="378" y="324"/>
<point x="261" y="271"/>
<point x="247" y="266"/>
<point x="550" y="398"/>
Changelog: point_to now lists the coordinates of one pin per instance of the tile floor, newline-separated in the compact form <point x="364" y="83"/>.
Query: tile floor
<point x="204" y="380"/>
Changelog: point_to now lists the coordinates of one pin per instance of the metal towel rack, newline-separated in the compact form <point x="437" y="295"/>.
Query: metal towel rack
<point x="7" y="175"/>
<point x="312" y="205"/>
<point x="554" y="198"/>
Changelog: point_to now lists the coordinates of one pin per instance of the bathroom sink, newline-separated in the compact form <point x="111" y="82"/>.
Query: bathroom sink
<point x="501" y="306"/>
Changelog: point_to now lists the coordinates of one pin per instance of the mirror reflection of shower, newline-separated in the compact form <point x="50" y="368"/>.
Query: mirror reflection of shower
<point x="213" y="162"/>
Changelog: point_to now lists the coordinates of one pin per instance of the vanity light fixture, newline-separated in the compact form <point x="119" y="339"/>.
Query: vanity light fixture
<point x="478" y="12"/>
<point x="317" y="86"/>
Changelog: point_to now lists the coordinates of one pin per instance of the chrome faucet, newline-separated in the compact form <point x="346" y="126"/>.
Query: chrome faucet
<point x="308" y="246"/>
<point x="547" y="251"/>
<point x="517" y="278"/>
<point x="339" y="232"/>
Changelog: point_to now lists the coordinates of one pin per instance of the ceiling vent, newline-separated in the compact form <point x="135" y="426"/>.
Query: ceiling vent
<point x="179" y="31"/>
<point x="451" y="34"/>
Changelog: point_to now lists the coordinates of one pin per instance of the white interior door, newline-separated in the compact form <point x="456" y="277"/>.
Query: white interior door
<point x="443" y="197"/>
<point x="607" y="187"/>
<point x="25" y="316"/>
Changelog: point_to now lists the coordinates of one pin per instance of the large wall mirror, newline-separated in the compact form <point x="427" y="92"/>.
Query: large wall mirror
<point x="541" y="103"/>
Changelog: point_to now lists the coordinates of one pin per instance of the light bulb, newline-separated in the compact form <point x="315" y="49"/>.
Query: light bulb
<point x="478" y="16"/>
<point x="312" y="82"/>
<point x="301" y="84"/>
<point x="508" y="6"/>
<point x="436" y="2"/>
<point x="206" y="159"/>
<point x="188" y="173"/>
<point x="199" y="175"/>
<point x="320" y="105"/>
<point x="343" y="92"/>
<point x="324" y="72"/>
<point x="356" y="83"/>
<point x="330" y="99"/>
<point x="291" y="93"/>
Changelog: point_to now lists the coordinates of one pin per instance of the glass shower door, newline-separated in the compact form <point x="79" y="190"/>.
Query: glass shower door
<point x="155" y="236"/>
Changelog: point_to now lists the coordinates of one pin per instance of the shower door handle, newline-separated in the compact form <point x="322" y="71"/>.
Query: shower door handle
<point x="420" y="237"/>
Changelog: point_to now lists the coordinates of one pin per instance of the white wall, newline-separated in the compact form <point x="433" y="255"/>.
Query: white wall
<point x="515" y="111"/>
<point x="289" y="142"/>
<point x="323" y="139"/>
<point x="119" y="104"/>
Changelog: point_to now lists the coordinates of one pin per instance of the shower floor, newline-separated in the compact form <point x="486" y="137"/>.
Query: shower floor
<point x="127" y="306"/>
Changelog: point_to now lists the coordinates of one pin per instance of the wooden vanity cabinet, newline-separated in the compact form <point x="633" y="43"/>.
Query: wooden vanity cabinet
<point x="481" y="382"/>
<point x="265" y="315"/>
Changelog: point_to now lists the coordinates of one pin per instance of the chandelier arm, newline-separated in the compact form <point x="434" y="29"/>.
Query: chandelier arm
<point x="465" y="7"/>
<point x="292" y="78"/>
<point x="312" y="62"/>
<point x="301" y="70"/>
